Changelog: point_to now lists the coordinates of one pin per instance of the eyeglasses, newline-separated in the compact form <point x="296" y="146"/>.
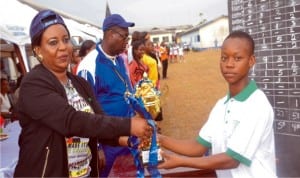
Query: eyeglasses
<point x="124" y="37"/>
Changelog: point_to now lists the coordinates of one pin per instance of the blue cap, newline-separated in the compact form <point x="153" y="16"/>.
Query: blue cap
<point x="115" y="20"/>
<point x="43" y="20"/>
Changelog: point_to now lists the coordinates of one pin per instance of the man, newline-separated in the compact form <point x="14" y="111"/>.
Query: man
<point x="105" y="70"/>
<point x="239" y="130"/>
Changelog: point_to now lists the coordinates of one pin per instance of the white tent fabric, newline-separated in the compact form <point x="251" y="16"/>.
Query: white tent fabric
<point x="15" y="21"/>
<point x="16" y="18"/>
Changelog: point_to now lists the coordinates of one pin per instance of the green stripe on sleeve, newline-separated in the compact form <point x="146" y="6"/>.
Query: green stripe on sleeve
<point x="203" y="142"/>
<point x="238" y="157"/>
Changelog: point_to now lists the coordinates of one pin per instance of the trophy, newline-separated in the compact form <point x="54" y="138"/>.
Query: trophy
<point x="150" y="97"/>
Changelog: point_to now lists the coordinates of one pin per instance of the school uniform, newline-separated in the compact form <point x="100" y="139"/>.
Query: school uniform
<point x="242" y="127"/>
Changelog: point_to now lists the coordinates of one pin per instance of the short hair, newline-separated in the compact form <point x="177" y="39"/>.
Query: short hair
<point x="136" y="35"/>
<point x="85" y="46"/>
<point x="243" y="35"/>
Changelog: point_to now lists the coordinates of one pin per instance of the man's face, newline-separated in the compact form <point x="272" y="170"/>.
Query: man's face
<point x="236" y="60"/>
<point x="119" y="39"/>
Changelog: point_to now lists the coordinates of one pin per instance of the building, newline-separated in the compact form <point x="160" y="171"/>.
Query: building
<point x="165" y="34"/>
<point x="208" y="35"/>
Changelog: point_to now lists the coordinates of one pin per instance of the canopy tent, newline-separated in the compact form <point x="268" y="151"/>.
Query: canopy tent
<point x="15" y="22"/>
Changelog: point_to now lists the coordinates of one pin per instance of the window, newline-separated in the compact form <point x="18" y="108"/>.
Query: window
<point x="165" y="39"/>
<point x="155" y="40"/>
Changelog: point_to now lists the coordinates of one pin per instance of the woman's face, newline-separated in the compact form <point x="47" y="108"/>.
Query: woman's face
<point x="55" y="48"/>
<point x="139" y="52"/>
<point x="149" y="46"/>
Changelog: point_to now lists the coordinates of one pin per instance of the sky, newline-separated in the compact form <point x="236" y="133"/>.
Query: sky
<point x="145" y="13"/>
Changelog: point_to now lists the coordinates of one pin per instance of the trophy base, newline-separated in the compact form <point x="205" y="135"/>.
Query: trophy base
<point x="145" y="156"/>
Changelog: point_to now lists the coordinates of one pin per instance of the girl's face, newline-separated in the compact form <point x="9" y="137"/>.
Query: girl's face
<point x="140" y="51"/>
<point x="236" y="61"/>
<point x="56" y="48"/>
<point x="149" y="46"/>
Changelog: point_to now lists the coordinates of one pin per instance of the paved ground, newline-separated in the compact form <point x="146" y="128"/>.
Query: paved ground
<point x="189" y="93"/>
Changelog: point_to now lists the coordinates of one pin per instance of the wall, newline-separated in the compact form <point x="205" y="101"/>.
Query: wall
<point x="162" y="36"/>
<point x="191" y="39"/>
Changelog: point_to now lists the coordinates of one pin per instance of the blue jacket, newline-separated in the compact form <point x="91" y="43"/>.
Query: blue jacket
<point x="109" y="81"/>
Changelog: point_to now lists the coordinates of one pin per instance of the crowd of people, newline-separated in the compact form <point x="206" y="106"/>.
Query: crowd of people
<point x="76" y="121"/>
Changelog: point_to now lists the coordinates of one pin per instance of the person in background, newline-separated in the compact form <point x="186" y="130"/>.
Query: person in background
<point x="181" y="54"/>
<point x="239" y="130"/>
<point x="137" y="68"/>
<point x="105" y="70"/>
<point x="164" y="57"/>
<point x="149" y="60"/>
<point x="5" y="99"/>
<point x="2" y="68"/>
<point x="171" y="53"/>
<point x="75" y="59"/>
<point x="60" y="117"/>
<point x="85" y="48"/>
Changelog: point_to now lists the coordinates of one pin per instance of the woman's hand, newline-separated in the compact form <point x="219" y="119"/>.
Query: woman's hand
<point x="140" y="127"/>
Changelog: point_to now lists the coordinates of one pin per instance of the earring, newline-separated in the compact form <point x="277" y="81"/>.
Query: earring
<point x="40" y="57"/>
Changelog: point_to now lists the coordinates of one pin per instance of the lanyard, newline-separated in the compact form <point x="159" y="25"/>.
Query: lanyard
<point x="114" y="68"/>
<point x="139" y="107"/>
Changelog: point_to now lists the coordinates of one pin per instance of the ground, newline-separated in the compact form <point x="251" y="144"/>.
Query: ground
<point x="189" y="93"/>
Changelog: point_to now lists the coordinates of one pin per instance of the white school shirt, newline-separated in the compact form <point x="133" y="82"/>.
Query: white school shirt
<point x="242" y="127"/>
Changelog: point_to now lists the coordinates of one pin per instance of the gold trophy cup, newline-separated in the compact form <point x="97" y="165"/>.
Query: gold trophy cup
<point x="151" y="100"/>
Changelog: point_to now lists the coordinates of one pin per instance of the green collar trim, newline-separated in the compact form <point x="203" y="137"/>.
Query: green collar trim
<point x="238" y="157"/>
<point x="203" y="142"/>
<point x="245" y="93"/>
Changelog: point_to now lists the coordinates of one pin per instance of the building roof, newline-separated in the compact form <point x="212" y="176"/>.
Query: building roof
<point x="164" y="30"/>
<point x="197" y="27"/>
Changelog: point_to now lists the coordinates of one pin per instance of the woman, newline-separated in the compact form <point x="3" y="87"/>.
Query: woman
<point x="151" y="62"/>
<point x="59" y="130"/>
<point x="5" y="103"/>
<point x="137" y="68"/>
<point x="86" y="47"/>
